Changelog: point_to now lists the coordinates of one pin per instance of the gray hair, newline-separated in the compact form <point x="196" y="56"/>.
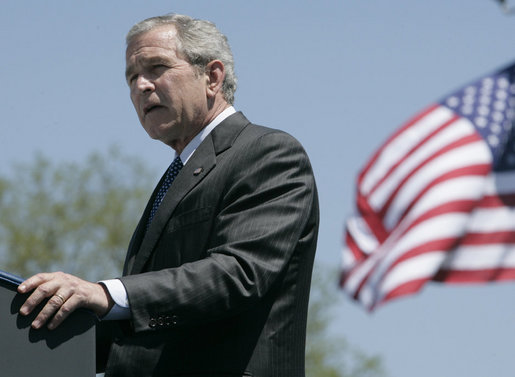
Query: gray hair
<point x="199" y="41"/>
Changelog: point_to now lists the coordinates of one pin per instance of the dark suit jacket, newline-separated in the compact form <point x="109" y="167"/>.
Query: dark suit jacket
<point x="219" y="284"/>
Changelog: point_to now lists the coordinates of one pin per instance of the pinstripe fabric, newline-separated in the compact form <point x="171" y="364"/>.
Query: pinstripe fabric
<point x="219" y="284"/>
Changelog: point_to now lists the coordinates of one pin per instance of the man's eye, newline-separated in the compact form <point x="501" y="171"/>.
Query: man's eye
<point x="157" y="67"/>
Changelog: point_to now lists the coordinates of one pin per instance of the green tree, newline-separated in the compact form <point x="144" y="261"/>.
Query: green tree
<point x="79" y="217"/>
<point x="75" y="217"/>
<point x="329" y="355"/>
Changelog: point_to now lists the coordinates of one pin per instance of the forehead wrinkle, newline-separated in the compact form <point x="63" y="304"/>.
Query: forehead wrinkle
<point x="142" y="59"/>
<point x="162" y="37"/>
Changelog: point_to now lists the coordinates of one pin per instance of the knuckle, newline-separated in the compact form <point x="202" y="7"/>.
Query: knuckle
<point x="60" y="275"/>
<point x="45" y="313"/>
<point x="64" y="311"/>
<point x="37" y="277"/>
<point x="44" y="290"/>
<point x="55" y="302"/>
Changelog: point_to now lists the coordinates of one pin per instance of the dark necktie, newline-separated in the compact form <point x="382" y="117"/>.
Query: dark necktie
<point x="171" y="173"/>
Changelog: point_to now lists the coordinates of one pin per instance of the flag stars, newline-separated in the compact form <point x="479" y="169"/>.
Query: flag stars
<point x="485" y="100"/>
<point x="496" y="128"/>
<point x="503" y="83"/>
<point x="471" y="90"/>
<point x="453" y="101"/>
<point x="497" y="116"/>
<point x="501" y="94"/>
<point x="483" y="110"/>
<point x="487" y="82"/>
<point x="493" y="140"/>
<point x="467" y="110"/>
<point x="485" y="91"/>
<point x="481" y="122"/>
<point x="468" y="104"/>
<point x="469" y="100"/>
<point x="499" y="105"/>
<point x="489" y="104"/>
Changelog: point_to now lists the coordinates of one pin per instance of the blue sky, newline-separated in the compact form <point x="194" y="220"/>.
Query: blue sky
<point x="339" y="75"/>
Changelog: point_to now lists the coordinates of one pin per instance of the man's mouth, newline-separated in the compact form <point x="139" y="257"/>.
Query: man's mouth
<point x="149" y="108"/>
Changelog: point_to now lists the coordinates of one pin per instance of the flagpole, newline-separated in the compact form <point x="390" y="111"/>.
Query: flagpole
<point x="506" y="8"/>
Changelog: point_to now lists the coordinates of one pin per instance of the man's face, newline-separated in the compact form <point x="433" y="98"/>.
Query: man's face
<point x="168" y="94"/>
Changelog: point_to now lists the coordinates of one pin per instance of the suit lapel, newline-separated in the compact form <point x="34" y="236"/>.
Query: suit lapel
<point x="141" y="229"/>
<point x="198" y="166"/>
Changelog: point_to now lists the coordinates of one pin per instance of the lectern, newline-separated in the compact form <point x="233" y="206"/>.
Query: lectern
<point x="69" y="350"/>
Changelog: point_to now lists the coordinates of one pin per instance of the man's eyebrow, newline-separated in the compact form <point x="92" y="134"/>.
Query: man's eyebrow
<point x="156" y="60"/>
<point x="146" y="61"/>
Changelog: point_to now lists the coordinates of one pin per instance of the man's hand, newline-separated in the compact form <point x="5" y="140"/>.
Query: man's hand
<point x="65" y="293"/>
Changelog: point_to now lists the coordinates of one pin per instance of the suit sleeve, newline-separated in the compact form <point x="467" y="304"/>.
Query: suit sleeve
<point x="266" y="209"/>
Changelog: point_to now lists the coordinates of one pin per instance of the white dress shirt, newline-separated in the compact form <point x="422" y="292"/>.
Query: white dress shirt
<point x="121" y="308"/>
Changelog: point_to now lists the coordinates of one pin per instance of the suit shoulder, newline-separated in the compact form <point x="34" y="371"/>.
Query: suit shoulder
<point x="238" y="131"/>
<point x="254" y="131"/>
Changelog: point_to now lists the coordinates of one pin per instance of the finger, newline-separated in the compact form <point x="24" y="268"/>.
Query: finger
<point x="53" y="306"/>
<point x="64" y="311"/>
<point x="33" y="282"/>
<point x="41" y="292"/>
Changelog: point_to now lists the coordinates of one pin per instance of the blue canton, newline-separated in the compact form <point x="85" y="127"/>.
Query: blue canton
<point x="489" y="104"/>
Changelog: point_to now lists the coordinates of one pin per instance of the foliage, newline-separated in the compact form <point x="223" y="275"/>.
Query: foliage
<point x="75" y="217"/>
<point x="329" y="355"/>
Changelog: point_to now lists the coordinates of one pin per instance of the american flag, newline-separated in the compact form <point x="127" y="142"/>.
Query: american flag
<point x="436" y="202"/>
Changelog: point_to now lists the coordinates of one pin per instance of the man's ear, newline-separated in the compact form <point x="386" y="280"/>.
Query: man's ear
<point x="215" y="75"/>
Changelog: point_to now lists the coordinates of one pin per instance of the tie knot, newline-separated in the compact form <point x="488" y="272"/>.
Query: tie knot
<point x="173" y="170"/>
<point x="171" y="173"/>
<point x="176" y="164"/>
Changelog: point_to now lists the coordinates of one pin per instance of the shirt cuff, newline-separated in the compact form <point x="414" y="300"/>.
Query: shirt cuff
<point x="120" y="309"/>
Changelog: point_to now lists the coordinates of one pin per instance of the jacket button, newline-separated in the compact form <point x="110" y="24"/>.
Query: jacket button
<point x="175" y="319"/>
<point x="153" y="323"/>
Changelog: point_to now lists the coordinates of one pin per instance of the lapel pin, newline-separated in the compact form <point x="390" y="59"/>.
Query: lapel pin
<point x="198" y="171"/>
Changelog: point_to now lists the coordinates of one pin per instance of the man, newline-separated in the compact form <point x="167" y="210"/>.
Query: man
<point x="217" y="275"/>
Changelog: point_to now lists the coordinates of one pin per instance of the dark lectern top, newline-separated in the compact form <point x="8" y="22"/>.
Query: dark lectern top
<point x="66" y="351"/>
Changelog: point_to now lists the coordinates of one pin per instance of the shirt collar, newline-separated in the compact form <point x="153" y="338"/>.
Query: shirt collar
<point x="195" y="142"/>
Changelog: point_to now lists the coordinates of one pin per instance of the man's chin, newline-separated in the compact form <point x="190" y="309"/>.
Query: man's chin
<point x="154" y="131"/>
<point x="159" y="136"/>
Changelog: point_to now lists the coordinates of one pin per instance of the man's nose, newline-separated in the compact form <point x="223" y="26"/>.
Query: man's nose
<point x="144" y="84"/>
